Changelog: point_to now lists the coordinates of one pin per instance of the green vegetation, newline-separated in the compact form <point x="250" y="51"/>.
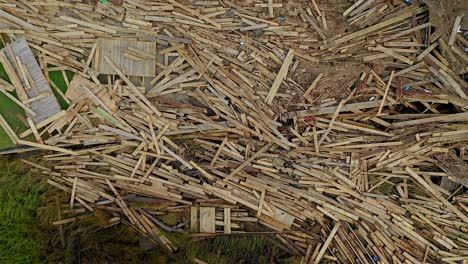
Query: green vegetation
<point x="20" y="196"/>
<point x="231" y="249"/>
<point x="13" y="114"/>
<point x="57" y="78"/>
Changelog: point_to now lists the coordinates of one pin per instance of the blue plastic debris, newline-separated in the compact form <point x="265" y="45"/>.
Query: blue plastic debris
<point x="407" y="88"/>
<point x="282" y="18"/>
<point x="375" y="258"/>
<point x="408" y="1"/>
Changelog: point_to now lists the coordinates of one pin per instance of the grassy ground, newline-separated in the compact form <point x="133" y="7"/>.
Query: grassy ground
<point x="234" y="249"/>
<point x="20" y="196"/>
<point x="11" y="112"/>
<point x="15" y="115"/>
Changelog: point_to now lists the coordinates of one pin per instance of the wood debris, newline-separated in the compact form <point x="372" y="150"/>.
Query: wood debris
<point x="264" y="112"/>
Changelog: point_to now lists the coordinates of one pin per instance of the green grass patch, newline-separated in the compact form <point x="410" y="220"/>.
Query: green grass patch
<point x="233" y="249"/>
<point x="57" y="78"/>
<point x="20" y="196"/>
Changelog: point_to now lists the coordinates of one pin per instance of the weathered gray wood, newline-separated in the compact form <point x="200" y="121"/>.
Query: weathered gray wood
<point x="45" y="107"/>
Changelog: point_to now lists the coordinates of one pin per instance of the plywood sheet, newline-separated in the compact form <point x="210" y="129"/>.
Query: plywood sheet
<point x="115" y="49"/>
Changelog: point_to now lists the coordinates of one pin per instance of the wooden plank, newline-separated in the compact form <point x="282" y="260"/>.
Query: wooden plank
<point x="88" y="24"/>
<point x="394" y="54"/>
<point x="332" y="109"/>
<point x="207" y="220"/>
<point x="386" y="92"/>
<point x="454" y="32"/>
<point x="46" y="147"/>
<point x="227" y="220"/>
<point x="194" y="223"/>
<point x="247" y="162"/>
<point x="270" y="9"/>
<point x="443" y="119"/>
<point x="20" y="22"/>
<point x="280" y="76"/>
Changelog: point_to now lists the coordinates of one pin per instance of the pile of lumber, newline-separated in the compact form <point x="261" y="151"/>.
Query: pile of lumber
<point x="342" y="134"/>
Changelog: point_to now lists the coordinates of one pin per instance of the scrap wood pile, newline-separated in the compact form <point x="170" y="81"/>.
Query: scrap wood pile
<point x="339" y="128"/>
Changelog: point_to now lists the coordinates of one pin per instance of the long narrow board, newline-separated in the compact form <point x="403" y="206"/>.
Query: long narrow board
<point x="194" y="219"/>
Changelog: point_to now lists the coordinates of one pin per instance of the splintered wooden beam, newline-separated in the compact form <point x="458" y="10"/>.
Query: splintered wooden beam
<point x="6" y="86"/>
<point x="351" y="8"/>
<point x="44" y="123"/>
<point x="427" y="51"/>
<point x="280" y="77"/>
<point x="35" y="132"/>
<point x="177" y="157"/>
